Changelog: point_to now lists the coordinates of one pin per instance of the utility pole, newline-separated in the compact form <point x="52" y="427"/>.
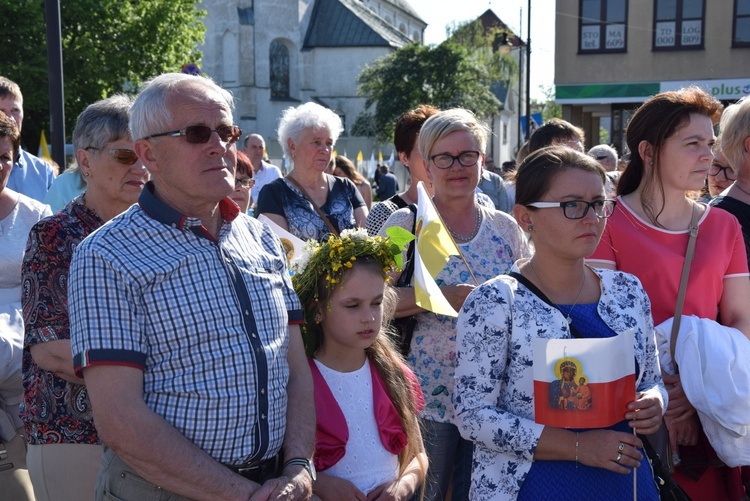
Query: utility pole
<point x="55" y="71"/>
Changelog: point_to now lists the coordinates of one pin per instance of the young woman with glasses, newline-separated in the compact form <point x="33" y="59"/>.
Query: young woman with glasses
<point x="561" y="201"/>
<point x="671" y="137"/>
<point x="453" y="143"/>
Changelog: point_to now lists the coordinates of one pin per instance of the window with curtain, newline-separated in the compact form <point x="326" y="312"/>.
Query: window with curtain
<point x="679" y="24"/>
<point x="602" y="27"/>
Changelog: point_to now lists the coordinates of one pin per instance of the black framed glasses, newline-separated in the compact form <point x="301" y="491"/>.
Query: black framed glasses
<point x="245" y="182"/>
<point x="577" y="209"/>
<point x="122" y="155"/>
<point x="465" y="159"/>
<point x="199" y="134"/>
<point x="729" y="174"/>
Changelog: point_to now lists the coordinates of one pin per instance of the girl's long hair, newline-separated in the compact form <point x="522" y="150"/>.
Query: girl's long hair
<point x="388" y="362"/>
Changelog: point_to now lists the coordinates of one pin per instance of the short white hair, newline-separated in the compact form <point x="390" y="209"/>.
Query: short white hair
<point x="295" y="120"/>
<point x="150" y="113"/>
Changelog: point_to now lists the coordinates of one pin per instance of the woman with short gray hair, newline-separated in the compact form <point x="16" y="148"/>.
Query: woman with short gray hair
<point x="310" y="203"/>
<point x="64" y="448"/>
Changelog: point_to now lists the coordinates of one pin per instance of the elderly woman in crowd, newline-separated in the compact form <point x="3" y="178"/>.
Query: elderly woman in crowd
<point x="243" y="182"/>
<point x="453" y="143"/>
<point x="310" y="203"/>
<point x="671" y="137"/>
<point x="18" y="214"/>
<point x="720" y="174"/>
<point x="405" y="141"/>
<point x="64" y="449"/>
<point x="735" y="132"/>
<point x="561" y="201"/>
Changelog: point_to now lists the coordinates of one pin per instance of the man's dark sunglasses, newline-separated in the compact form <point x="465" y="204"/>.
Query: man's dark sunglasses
<point x="199" y="134"/>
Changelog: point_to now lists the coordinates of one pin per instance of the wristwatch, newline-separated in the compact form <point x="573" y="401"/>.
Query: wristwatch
<point x="307" y="463"/>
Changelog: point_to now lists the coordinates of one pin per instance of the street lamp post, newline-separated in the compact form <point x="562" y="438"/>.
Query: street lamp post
<point x="528" y="69"/>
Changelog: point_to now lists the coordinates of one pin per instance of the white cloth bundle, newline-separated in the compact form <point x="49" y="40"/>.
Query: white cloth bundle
<point x="714" y="363"/>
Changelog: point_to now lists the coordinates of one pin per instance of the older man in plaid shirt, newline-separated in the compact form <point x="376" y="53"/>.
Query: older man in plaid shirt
<point x="185" y="325"/>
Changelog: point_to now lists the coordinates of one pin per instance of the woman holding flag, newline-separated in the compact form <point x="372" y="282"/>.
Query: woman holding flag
<point x="504" y="333"/>
<point x="485" y="243"/>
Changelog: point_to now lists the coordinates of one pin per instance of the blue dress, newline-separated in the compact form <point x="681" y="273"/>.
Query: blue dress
<point x="568" y="480"/>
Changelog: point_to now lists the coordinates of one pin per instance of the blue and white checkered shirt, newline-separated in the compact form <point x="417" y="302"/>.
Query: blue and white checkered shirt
<point x="205" y="319"/>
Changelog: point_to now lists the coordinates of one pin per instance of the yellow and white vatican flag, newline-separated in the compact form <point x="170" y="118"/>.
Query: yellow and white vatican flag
<point x="434" y="248"/>
<point x="293" y="246"/>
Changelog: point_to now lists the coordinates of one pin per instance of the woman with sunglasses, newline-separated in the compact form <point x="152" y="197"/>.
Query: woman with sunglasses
<point x="64" y="449"/>
<point x="561" y="202"/>
<point x="310" y="203"/>
<point x="243" y="182"/>
<point x="670" y="138"/>
<point x="453" y="143"/>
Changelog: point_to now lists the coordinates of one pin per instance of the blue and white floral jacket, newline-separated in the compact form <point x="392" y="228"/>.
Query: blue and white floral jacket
<point x="494" y="396"/>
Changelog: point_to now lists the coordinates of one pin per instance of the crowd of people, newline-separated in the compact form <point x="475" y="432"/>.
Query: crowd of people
<point x="157" y="344"/>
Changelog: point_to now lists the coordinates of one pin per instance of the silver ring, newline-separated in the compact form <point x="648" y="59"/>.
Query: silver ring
<point x="619" y="457"/>
<point x="621" y="447"/>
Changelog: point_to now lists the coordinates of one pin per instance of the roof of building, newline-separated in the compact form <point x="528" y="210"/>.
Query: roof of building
<point x="350" y="23"/>
<point x="405" y="6"/>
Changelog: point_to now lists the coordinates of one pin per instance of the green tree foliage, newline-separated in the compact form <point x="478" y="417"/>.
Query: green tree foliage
<point x="108" y="46"/>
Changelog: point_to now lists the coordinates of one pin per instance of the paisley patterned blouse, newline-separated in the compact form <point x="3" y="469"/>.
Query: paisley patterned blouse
<point x="53" y="410"/>
<point x="432" y="355"/>
<point x="494" y="397"/>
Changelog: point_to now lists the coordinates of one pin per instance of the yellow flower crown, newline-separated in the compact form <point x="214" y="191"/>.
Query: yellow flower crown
<point x="333" y="257"/>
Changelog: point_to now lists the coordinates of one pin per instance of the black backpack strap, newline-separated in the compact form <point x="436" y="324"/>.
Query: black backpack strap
<point x="405" y="278"/>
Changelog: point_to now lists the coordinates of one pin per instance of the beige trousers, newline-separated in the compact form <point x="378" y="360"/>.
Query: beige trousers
<point x="14" y="477"/>
<point x="64" y="472"/>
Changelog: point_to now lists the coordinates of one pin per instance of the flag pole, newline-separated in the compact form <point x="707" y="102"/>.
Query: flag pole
<point x="635" y="472"/>
<point x="476" y="283"/>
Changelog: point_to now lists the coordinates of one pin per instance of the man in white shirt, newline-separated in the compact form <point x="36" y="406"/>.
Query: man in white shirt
<point x="263" y="172"/>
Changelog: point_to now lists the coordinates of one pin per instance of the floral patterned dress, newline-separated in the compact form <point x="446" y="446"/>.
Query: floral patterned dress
<point x="494" y="396"/>
<point x="432" y="355"/>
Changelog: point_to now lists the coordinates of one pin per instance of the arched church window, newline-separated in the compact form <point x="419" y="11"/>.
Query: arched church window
<point x="279" y="59"/>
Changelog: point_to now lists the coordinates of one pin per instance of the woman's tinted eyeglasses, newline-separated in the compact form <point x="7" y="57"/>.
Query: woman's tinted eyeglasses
<point x="577" y="209"/>
<point x="245" y="182"/>
<point x="199" y="134"/>
<point x="465" y="159"/>
<point x="729" y="174"/>
<point x="122" y="155"/>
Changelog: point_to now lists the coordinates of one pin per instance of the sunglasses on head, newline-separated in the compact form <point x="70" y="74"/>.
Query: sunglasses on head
<point x="199" y="134"/>
<point x="122" y="155"/>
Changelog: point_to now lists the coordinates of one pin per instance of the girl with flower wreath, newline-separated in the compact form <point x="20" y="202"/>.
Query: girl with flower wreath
<point x="368" y="443"/>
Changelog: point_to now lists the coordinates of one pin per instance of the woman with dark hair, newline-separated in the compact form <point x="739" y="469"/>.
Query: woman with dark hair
<point x="405" y="140"/>
<point x="671" y="137"/>
<point x="343" y="167"/>
<point x="243" y="182"/>
<point x="561" y="202"/>
<point x="18" y="213"/>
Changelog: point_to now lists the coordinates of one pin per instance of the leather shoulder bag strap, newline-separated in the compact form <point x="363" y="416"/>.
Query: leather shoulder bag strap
<point x="315" y="206"/>
<point x="689" y="253"/>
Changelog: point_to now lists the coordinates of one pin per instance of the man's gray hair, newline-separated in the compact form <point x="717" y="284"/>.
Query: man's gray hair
<point x="604" y="150"/>
<point x="446" y="122"/>
<point x="150" y="113"/>
<point x="735" y="128"/>
<point x="103" y="122"/>
<point x="294" y="121"/>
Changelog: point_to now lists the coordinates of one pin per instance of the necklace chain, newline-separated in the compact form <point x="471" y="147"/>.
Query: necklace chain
<point x="575" y="302"/>
<point x="466" y="238"/>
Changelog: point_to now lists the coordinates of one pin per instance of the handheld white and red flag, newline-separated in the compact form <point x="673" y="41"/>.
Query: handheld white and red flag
<point x="583" y="383"/>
